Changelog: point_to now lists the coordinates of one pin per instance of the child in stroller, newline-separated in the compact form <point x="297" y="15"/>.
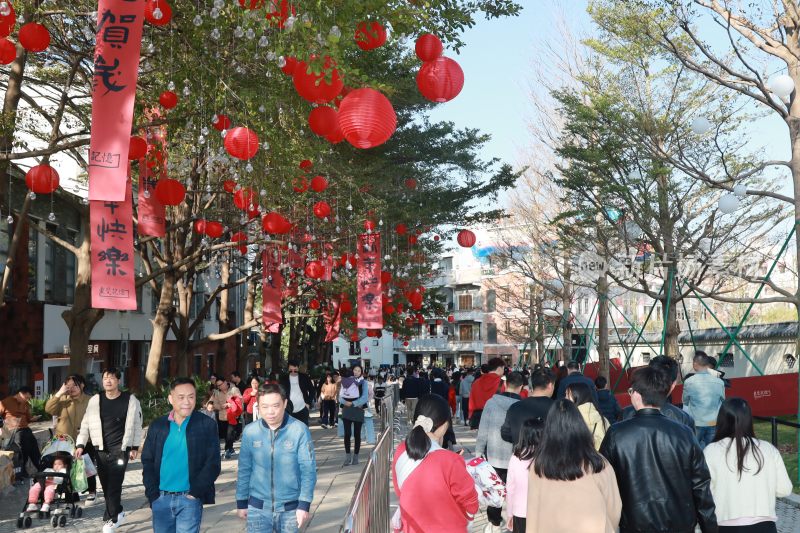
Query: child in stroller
<point x="53" y="486"/>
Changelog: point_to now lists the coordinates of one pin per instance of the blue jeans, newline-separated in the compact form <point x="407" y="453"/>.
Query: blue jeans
<point x="177" y="513"/>
<point x="705" y="435"/>
<point x="265" y="521"/>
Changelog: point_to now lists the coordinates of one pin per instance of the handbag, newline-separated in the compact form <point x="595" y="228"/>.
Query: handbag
<point x="88" y="465"/>
<point x="78" y="476"/>
<point x="354" y="414"/>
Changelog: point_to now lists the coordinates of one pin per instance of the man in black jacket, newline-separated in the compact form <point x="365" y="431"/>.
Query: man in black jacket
<point x="180" y="462"/>
<point x="300" y="390"/>
<point x="410" y="393"/>
<point x="662" y="475"/>
<point x="672" y="368"/>
<point x="535" y="406"/>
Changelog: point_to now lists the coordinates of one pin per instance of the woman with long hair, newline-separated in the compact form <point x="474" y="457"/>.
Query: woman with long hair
<point x="353" y="398"/>
<point x="425" y="475"/>
<point x="581" y="395"/>
<point x="517" y="478"/>
<point x="747" y="474"/>
<point x="567" y="467"/>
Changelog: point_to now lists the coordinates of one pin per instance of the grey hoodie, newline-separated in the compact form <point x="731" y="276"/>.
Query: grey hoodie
<point x="489" y="442"/>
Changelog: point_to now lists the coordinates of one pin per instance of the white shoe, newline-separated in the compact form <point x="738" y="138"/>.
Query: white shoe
<point x="32" y="507"/>
<point x="109" y="527"/>
<point x="121" y="518"/>
<point x="90" y="499"/>
<point x="45" y="508"/>
<point x="491" y="528"/>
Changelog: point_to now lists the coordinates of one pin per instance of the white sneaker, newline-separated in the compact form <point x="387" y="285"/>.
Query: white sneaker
<point x="90" y="499"/>
<point x="109" y="527"/>
<point x="45" y="508"/>
<point x="491" y="528"/>
<point x="32" y="507"/>
<point x="121" y="518"/>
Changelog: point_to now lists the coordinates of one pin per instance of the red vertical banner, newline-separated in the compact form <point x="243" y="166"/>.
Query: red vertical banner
<point x="272" y="291"/>
<point x="116" y="69"/>
<point x="152" y="215"/>
<point x="333" y="320"/>
<point x="370" y="311"/>
<point x="113" y="263"/>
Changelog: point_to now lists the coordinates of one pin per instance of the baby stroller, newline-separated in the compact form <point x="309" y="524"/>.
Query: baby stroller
<point x="64" y="505"/>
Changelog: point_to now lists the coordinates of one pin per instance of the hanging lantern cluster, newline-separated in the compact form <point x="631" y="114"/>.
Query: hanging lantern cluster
<point x="241" y="143"/>
<point x="170" y="191"/>
<point x="370" y="35"/>
<point x="440" y="79"/>
<point x="275" y="224"/>
<point x="157" y="12"/>
<point x="317" y="88"/>
<point x="137" y="148"/>
<point x="367" y="118"/>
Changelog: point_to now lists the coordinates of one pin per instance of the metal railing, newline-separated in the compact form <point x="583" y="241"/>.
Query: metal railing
<point x="369" y="509"/>
<point x="775" y="422"/>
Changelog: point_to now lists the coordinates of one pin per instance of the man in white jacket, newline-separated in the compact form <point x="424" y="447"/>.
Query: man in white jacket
<point x="113" y="422"/>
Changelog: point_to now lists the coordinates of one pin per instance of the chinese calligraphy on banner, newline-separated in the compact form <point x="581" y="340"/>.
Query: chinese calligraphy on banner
<point x="272" y="291"/>
<point x="116" y="69"/>
<point x="370" y="310"/>
<point x="113" y="271"/>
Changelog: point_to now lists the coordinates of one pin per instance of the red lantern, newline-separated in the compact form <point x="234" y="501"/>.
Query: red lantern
<point x="370" y="35"/>
<point x="229" y="185"/>
<point x="386" y="277"/>
<point x="314" y="304"/>
<point x="315" y="87"/>
<point x="348" y="258"/>
<point x="152" y="17"/>
<point x="435" y="238"/>
<point x="322" y="209"/>
<point x="8" y="52"/>
<point x="168" y="99"/>
<point x="405" y="343"/>
<point x="170" y="191"/>
<point x="241" y="143"/>
<point x="369" y="225"/>
<point x="244" y="198"/>
<point x="214" y="229"/>
<point x="290" y="66"/>
<point x="314" y="270"/>
<point x="137" y="148"/>
<point x="240" y="237"/>
<point x="451" y="318"/>
<point x="438" y="322"/>
<point x="200" y="226"/>
<point x="318" y="184"/>
<point x="8" y="22"/>
<point x="466" y="238"/>
<point x="388" y="309"/>
<point x="367" y="118"/>
<point x="300" y="184"/>
<point x="34" y="37"/>
<point x="221" y="122"/>
<point x="275" y="223"/>
<point x="410" y="183"/>
<point x="401" y="229"/>
<point x="440" y="80"/>
<point x="412" y="240"/>
<point x="354" y="336"/>
<point x="251" y="4"/>
<point x="280" y="12"/>
<point x="428" y="47"/>
<point x="336" y="136"/>
<point x="323" y="120"/>
<point x="345" y="306"/>
<point x="42" y="179"/>
<point x="306" y="164"/>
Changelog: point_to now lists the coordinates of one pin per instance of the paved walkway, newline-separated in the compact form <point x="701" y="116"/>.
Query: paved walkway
<point x="335" y="487"/>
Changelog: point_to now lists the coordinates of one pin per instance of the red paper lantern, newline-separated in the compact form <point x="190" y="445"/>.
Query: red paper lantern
<point x="323" y="120"/>
<point x="337" y="135"/>
<point x="314" y="304"/>
<point x="34" y="37"/>
<point x="412" y="240"/>
<point x="137" y="148"/>
<point x="151" y="16"/>
<point x="168" y="99"/>
<point x="241" y="143"/>
<point x="345" y="306"/>
<point x="42" y="179"/>
<point x="369" y="225"/>
<point x="410" y="183"/>
<point x="451" y="318"/>
<point x="388" y="309"/>
<point x="251" y="4"/>
<point x="314" y="270"/>
<point x="8" y="52"/>
<point x="170" y="191"/>
<point x="318" y="184"/>
<point x="405" y="343"/>
<point x="436" y="238"/>
<point x="280" y="12"/>
<point x="8" y="22"/>
<point x="290" y="66"/>
<point x="370" y="35"/>
<point x="322" y="209"/>
<point x="354" y="336"/>
<point x="315" y="87"/>
<point x="367" y="118"/>
<point x="348" y="258"/>
<point x="300" y="184"/>
<point x="386" y="277"/>
<point x="466" y="238"/>
<point x="200" y="226"/>
<point x="214" y="229"/>
<point x="440" y="80"/>
<point x="240" y="237"/>
<point x="428" y="47"/>
<point x="244" y="198"/>
<point x="229" y="185"/>
<point x="221" y="122"/>
<point x="275" y="223"/>
<point x="401" y="229"/>
<point x="306" y="164"/>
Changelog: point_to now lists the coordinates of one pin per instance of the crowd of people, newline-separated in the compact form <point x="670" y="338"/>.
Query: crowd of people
<point x="556" y="436"/>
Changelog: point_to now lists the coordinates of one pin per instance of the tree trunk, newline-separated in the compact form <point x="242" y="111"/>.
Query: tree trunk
<point x="22" y="223"/>
<point x="9" y="119"/>
<point x="249" y="314"/>
<point x="165" y="314"/>
<point x="602" y="325"/>
<point x="540" y="330"/>
<point x="182" y="320"/>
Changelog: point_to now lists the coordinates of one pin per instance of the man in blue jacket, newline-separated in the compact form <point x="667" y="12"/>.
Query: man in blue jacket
<point x="181" y="462"/>
<point x="277" y="467"/>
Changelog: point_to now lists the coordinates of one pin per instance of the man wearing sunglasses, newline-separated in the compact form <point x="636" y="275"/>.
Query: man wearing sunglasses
<point x="301" y="391"/>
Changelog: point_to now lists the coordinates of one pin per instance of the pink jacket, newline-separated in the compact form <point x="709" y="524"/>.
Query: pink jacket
<point x="517" y="487"/>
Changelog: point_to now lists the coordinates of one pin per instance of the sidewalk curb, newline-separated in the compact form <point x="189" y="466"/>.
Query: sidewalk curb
<point x="792" y="499"/>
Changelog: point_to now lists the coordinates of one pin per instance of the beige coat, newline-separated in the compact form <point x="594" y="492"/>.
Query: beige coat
<point x="92" y="426"/>
<point x="597" y="508"/>
<point x="70" y="412"/>
<point x="595" y="422"/>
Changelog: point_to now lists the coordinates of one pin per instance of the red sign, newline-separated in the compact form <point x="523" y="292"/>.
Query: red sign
<point x="116" y="69"/>
<point x="272" y="291"/>
<point x="370" y="309"/>
<point x="113" y="268"/>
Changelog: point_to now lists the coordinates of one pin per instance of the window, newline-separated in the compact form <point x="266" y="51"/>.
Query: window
<point x="59" y="267"/>
<point x="507" y="326"/>
<point x="465" y="332"/>
<point x="645" y="357"/>
<point x="432" y="329"/>
<point x="446" y="264"/>
<point x="19" y="375"/>
<point x="165" y="365"/>
<point x="198" y="363"/>
<point x="491" y="301"/>
<point x="465" y="302"/>
<point x="725" y="360"/>
<point x="491" y="333"/>
<point x="790" y="360"/>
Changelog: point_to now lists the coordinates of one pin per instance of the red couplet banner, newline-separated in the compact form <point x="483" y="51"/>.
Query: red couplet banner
<point x="113" y="267"/>
<point x="116" y="69"/>
<point x="272" y="291"/>
<point x="370" y="311"/>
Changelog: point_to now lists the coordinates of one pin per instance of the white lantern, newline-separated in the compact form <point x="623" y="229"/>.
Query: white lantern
<point x="740" y="190"/>
<point x="728" y="203"/>
<point x="700" y="125"/>
<point x="782" y="85"/>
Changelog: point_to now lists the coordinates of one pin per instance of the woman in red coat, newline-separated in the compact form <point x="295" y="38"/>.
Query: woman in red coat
<point x="425" y="474"/>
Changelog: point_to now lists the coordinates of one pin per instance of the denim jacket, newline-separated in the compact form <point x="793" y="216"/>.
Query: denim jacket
<point x="277" y="468"/>
<point x="703" y="393"/>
